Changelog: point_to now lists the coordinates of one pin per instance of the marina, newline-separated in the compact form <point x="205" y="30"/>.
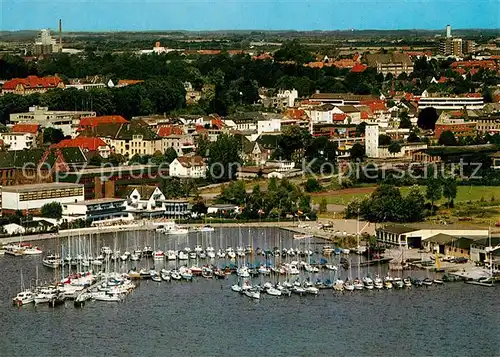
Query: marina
<point x="295" y="281"/>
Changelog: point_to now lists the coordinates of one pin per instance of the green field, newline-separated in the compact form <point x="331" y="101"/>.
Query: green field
<point x="464" y="194"/>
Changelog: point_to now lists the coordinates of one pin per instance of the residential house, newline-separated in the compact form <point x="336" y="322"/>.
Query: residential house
<point x="145" y="201"/>
<point x="495" y="160"/>
<point x="341" y="98"/>
<point x="353" y="114"/>
<point x="188" y="167"/>
<point x="87" y="145"/>
<point x="282" y="100"/>
<point x="321" y="114"/>
<point x="244" y="121"/>
<point x="127" y="139"/>
<point x="488" y="124"/>
<point x="374" y="150"/>
<point x="394" y="63"/>
<point x="252" y="151"/>
<point x="20" y="137"/>
<point x="176" y="138"/>
<point x="89" y="123"/>
<point x="31" y="85"/>
<point x="128" y="82"/>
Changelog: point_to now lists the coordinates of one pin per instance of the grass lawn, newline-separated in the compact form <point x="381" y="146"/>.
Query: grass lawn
<point x="464" y="194"/>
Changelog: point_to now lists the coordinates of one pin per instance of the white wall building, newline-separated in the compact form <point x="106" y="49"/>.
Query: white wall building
<point x="97" y="211"/>
<point x="31" y="198"/>
<point x="451" y="103"/>
<point x="188" y="167"/>
<point x="67" y="121"/>
<point x="374" y="150"/>
<point x="269" y="126"/>
<point x="290" y="95"/>
<point x="145" y="198"/>
<point x="281" y="165"/>
<point x="18" y="141"/>
<point x="321" y="114"/>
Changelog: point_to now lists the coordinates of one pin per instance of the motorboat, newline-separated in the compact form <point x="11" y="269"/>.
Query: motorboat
<point x="407" y="282"/>
<point x="193" y="255"/>
<point x="378" y="283"/>
<point x="52" y="261"/>
<point x="105" y="296"/>
<point x="147" y="252"/>
<point x="236" y="288"/>
<point x="221" y="254"/>
<point x="243" y="272"/>
<point x="157" y="278"/>
<point x="210" y="252"/>
<point x="253" y="294"/>
<point x="207" y="228"/>
<point x="273" y="291"/>
<point x="158" y="255"/>
<point x="198" y="249"/>
<point x="134" y="257"/>
<point x="171" y="255"/>
<point x="312" y="290"/>
<point x="23" y="298"/>
<point x="207" y="273"/>
<point x="358" y="285"/>
<point x="165" y="275"/>
<point x="45" y="294"/>
<point x="230" y="253"/>
<point x="349" y="286"/>
<point x="302" y="236"/>
<point x="398" y="283"/>
<point x="175" y="275"/>
<point x="438" y="281"/>
<point x="32" y="251"/>
<point x="183" y="255"/>
<point x="368" y="282"/>
<point x="196" y="270"/>
<point x="106" y="251"/>
<point x="338" y="285"/>
<point x="186" y="274"/>
<point x="240" y="252"/>
<point x="264" y="270"/>
<point x="299" y="290"/>
<point x="327" y="250"/>
<point x="202" y="255"/>
<point x="388" y="284"/>
<point x="331" y="267"/>
<point x="291" y="269"/>
<point x="57" y="299"/>
<point x="427" y="282"/>
<point x="173" y="229"/>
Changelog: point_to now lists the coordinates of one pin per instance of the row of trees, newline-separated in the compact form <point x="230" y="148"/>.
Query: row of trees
<point x="280" y="199"/>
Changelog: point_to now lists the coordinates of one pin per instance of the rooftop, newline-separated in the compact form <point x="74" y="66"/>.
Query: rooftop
<point x="40" y="187"/>
<point x="98" y="201"/>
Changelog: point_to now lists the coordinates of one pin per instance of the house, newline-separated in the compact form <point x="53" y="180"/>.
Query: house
<point x="282" y="100"/>
<point x="15" y="141"/>
<point x="495" y="157"/>
<point x="67" y="121"/>
<point x="145" y="201"/>
<point x="374" y="150"/>
<point x="86" y="145"/>
<point x="394" y="63"/>
<point x="90" y="123"/>
<point x="127" y="139"/>
<point x="97" y="211"/>
<point x="449" y="245"/>
<point x="321" y="113"/>
<point x="188" y="167"/>
<point x="281" y="165"/>
<point x="128" y="82"/>
<point x="13" y="229"/>
<point x="31" y="85"/>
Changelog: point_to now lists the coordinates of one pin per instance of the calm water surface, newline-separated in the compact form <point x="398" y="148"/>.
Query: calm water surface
<point x="205" y="318"/>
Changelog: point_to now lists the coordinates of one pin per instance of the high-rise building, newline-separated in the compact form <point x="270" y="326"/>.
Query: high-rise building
<point x="448" y="31"/>
<point x="45" y="43"/>
<point x="468" y="46"/>
<point x="456" y="49"/>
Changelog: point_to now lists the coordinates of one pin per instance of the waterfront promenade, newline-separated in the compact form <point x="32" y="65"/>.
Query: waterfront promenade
<point x="328" y="230"/>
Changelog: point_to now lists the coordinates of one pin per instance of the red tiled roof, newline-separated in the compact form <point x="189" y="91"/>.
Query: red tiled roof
<point x="91" y="144"/>
<point x="262" y="56"/>
<point x="359" y="68"/>
<point x="235" y="52"/>
<point x="218" y="123"/>
<point x="314" y="64"/>
<point x="209" y="52"/>
<point x="128" y="82"/>
<point x="339" y="117"/>
<point x="168" y="130"/>
<point x="191" y="161"/>
<point x="474" y="64"/>
<point x="25" y="128"/>
<point x="365" y="115"/>
<point x="106" y="119"/>
<point x="31" y="82"/>
<point x="375" y="106"/>
<point x="295" y="113"/>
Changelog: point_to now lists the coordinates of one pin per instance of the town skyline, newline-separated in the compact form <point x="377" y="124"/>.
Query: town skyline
<point x="220" y="15"/>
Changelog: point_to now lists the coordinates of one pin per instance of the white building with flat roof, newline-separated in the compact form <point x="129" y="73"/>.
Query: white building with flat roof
<point x="18" y="141"/>
<point x="97" y="211"/>
<point x="451" y="103"/>
<point x="67" y="121"/>
<point x="31" y="198"/>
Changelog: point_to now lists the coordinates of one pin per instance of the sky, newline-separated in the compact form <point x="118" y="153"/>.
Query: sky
<point x="134" y="15"/>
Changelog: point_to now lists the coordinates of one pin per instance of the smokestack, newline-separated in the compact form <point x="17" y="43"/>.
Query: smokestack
<point x="60" y="35"/>
<point x="448" y="31"/>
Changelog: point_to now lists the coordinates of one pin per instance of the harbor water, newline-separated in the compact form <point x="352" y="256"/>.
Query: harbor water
<point x="206" y="318"/>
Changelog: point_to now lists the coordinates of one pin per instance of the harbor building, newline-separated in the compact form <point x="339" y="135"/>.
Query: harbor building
<point x="420" y="236"/>
<point x="97" y="211"/>
<point x="29" y="199"/>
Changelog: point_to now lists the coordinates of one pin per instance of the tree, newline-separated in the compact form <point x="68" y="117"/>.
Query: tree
<point x="158" y="158"/>
<point x="404" y="120"/>
<point x="323" y="206"/>
<point x="95" y="160"/>
<point x="52" y="136"/>
<point x="170" y="155"/>
<point x="394" y="147"/>
<point x="52" y="210"/>
<point x="384" y="140"/>
<point x="434" y="191"/>
<point x="413" y="205"/>
<point x="357" y="151"/>
<point x="447" y="138"/>
<point x="450" y="191"/>
<point x="360" y="129"/>
<point x="312" y="185"/>
<point x="427" y="118"/>
<point x="413" y="137"/>
<point x="116" y="159"/>
<point x="224" y="158"/>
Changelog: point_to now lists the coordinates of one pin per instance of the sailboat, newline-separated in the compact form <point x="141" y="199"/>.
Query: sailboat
<point x="26" y="296"/>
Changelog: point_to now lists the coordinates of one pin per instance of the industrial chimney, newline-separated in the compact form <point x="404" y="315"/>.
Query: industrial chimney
<point x="60" y="35"/>
<point x="448" y="31"/>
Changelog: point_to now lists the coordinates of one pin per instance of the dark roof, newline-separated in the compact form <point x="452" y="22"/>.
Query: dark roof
<point x="385" y="58"/>
<point x="18" y="158"/>
<point x="124" y="131"/>
<point x="144" y="190"/>
<point x="268" y="141"/>
<point x="246" y="116"/>
<point x="396" y="228"/>
<point x="446" y="239"/>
